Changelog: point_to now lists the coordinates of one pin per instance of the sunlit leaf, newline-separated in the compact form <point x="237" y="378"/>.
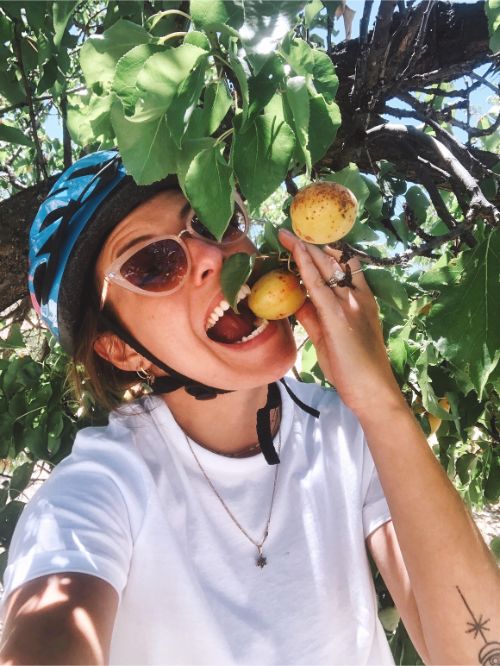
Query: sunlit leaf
<point x="161" y="77"/>
<point x="100" y="53"/>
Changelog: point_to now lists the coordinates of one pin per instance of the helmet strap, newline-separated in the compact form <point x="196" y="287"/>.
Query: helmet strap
<point x="175" y="380"/>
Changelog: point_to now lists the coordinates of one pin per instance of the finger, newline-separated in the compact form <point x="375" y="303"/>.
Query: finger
<point x="358" y="279"/>
<point x="330" y="269"/>
<point x="322" y="296"/>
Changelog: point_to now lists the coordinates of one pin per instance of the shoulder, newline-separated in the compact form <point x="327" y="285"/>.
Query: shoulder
<point x="105" y="462"/>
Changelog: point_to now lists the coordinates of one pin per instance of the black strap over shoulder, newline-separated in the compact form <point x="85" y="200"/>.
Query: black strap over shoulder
<point x="264" y="432"/>
<point x="310" y="410"/>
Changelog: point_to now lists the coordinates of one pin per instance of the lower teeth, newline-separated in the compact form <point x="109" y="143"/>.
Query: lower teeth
<point x="255" y="333"/>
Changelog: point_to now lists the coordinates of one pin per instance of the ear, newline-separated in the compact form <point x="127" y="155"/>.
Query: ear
<point x="114" y="350"/>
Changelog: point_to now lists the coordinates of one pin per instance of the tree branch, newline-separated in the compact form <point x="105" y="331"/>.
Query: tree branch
<point x="462" y="179"/>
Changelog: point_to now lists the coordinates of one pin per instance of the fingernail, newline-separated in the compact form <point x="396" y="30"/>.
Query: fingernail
<point x="287" y="233"/>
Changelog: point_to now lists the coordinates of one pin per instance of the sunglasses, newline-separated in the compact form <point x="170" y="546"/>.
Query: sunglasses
<point x="161" y="265"/>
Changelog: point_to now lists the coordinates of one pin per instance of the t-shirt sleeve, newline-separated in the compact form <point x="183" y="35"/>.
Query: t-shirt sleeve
<point x="375" y="509"/>
<point x="78" y="521"/>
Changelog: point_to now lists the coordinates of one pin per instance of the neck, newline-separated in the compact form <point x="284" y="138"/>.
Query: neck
<point x="226" y="424"/>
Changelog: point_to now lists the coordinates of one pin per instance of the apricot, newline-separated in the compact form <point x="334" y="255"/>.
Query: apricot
<point x="323" y="212"/>
<point x="276" y="295"/>
<point x="435" y="421"/>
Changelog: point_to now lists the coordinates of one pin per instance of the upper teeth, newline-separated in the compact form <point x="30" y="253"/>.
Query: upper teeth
<point x="224" y="305"/>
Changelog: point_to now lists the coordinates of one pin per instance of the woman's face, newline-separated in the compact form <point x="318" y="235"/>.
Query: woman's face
<point x="173" y="327"/>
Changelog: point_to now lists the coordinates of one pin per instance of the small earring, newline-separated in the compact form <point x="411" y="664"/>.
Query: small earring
<point x="145" y="376"/>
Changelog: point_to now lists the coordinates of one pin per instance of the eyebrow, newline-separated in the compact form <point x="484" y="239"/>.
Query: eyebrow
<point x="139" y="239"/>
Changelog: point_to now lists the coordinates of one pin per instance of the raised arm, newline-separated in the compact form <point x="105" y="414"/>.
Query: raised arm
<point x="453" y="576"/>
<point x="59" y="619"/>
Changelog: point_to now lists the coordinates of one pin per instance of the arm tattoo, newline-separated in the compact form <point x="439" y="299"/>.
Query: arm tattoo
<point x="489" y="654"/>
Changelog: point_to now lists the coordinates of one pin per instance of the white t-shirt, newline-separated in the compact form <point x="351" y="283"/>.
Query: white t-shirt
<point x="131" y="506"/>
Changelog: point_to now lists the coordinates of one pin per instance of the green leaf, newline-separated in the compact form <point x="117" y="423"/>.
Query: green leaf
<point x="100" y="53"/>
<point x="126" y="73"/>
<point x="6" y="427"/>
<point x="418" y="202"/>
<point x="324" y="121"/>
<point x="190" y="149"/>
<point x="261" y="156"/>
<point x="49" y="76"/>
<point x="351" y="178"/>
<point x="147" y="148"/>
<point x="492" y="9"/>
<point x="215" y="105"/>
<point x="35" y="13"/>
<point x="466" y="316"/>
<point x="209" y="15"/>
<point x="238" y="69"/>
<point x="311" y="10"/>
<point x="209" y="188"/>
<point x="375" y="201"/>
<point x="15" y="339"/>
<point x="325" y="79"/>
<point x="20" y="479"/>
<point x="198" y="39"/>
<point x="298" y="54"/>
<point x="61" y="13"/>
<point x="263" y="86"/>
<point x="9" y="516"/>
<point x="387" y="287"/>
<point x="495" y="548"/>
<point x="235" y="272"/>
<point x="445" y="271"/>
<point x="492" y="487"/>
<point x="160" y="79"/>
<point x="298" y="100"/>
<point x="11" y="88"/>
<point x="184" y="103"/>
<point x="397" y="354"/>
<point x="271" y="237"/>
<point x="429" y="398"/>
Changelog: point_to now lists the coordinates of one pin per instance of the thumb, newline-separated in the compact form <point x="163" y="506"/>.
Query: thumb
<point x="308" y="317"/>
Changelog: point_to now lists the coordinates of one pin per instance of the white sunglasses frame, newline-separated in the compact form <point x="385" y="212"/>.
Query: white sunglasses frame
<point x="112" y="273"/>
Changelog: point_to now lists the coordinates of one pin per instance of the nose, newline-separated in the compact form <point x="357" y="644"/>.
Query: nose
<point x="206" y="260"/>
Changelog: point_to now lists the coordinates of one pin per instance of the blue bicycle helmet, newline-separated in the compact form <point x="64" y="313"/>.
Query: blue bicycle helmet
<point x="84" y="205"/>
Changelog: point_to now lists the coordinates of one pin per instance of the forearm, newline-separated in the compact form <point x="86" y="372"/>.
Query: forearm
<point x="449" y="565"/>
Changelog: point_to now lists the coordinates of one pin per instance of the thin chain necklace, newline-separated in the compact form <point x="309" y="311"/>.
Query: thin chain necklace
<point x="261" y="560"/>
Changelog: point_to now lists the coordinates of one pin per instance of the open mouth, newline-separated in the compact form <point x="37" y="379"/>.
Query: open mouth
<point x="225" y="325"/>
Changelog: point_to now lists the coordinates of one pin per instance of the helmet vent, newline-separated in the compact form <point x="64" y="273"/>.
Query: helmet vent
<point x="39" y="280"/>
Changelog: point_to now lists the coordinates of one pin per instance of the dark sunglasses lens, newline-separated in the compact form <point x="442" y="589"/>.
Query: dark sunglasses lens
<point x="235" y="230"/>
<point x="160" y="266"/>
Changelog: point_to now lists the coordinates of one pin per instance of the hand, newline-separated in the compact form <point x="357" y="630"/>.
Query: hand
<point x="344" y="327"/>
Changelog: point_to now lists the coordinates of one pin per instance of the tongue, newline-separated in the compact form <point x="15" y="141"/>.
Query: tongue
<point x="231" y="327"/>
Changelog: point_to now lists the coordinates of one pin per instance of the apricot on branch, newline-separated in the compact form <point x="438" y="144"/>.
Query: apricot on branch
<point x="323" y="212"/>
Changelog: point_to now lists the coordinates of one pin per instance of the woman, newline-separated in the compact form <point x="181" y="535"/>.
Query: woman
<point x="142" y="546"/>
